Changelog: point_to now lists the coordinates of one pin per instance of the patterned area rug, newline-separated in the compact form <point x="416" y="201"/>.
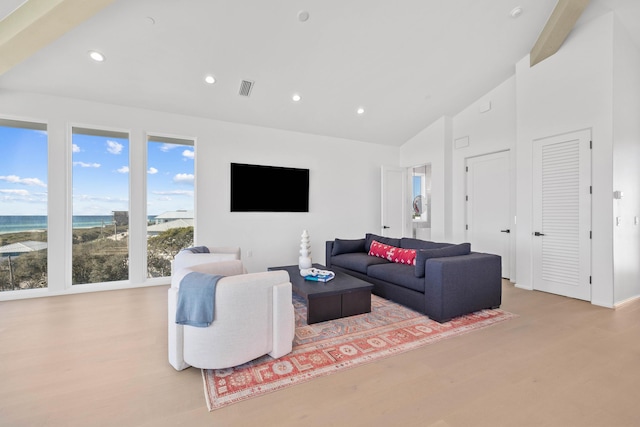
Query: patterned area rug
<point x="324" y="348"/>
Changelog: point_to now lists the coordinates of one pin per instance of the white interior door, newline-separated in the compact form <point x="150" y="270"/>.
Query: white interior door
<point x="488" y="202"/>
<point x="393" y="201"/>
<point x="562" y="215"/>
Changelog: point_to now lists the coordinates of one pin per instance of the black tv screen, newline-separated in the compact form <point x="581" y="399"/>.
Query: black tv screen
<point x="256" y="188"/>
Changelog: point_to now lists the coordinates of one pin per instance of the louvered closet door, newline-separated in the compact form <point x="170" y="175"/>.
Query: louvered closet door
<point x="562" y="215"/>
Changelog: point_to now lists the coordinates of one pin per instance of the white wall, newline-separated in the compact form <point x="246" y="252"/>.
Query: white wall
<point x="486" y="132"/>
<point x="428" y="146"/>
<point x="344" y="191"/>
<point x="569" y="91"/>
<point x="626" y="161"/>
<point x="344" y="181"/>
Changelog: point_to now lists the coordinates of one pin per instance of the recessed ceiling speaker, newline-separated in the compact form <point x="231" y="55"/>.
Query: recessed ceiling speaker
<point x="303" y="16"/>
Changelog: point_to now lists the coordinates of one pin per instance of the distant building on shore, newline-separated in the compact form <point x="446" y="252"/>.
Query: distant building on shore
<point x="15" y="249"/>
<point x="173" y="215"/>
<point x="171" y="219"/>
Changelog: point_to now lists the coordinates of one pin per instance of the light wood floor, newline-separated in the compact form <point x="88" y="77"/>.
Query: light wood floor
<point x="100" y="359"/>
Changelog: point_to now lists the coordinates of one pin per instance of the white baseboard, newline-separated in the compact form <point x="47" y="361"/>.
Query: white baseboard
<point x="602" y="304"/>
<point x="627" y="301"/>
<point x="528" y="288"/>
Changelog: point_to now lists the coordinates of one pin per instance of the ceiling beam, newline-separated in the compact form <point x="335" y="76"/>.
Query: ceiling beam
<point x="559" y="25"/>
<point x="37" y="23"/>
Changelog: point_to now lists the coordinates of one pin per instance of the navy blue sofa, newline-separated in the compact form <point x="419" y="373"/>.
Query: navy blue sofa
<point x="447" y="280"/>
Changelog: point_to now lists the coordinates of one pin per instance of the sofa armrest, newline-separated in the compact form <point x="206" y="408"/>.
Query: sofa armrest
<point x="229" y="250"/>
<point x="328" y="251"/>
<point x="223" y="268"/>
<point x="462" y="284"/>
<point x="284" y="320"/>
<point x="175" y="333"/>
<point x="185" y="259"/>
<point x="343" y="246"/>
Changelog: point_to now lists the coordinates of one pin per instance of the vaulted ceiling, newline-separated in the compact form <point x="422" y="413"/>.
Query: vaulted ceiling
<point x="406" y="63"/>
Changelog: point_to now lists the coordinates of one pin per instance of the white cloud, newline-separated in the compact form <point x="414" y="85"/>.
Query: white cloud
<point x="86" y="165"/>
<point x="183" y="178"/>
<point x="152" y="171"/>
<point x="189" y="154"/>
<point x="167" y="147"/>
<point x="114" y="147"/>
<point x="75" y="148"/>
<point x="14" y="179"/>
<point x="87" y="198"/>
<point x="174" y="193"/>
<point x="15" y="192"/>
<point x="124" y="169"/>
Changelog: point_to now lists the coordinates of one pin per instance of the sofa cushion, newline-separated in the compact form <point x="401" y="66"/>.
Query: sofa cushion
<point x="357" y="261"/>
<point x="409" y="243"/>
<point x="398" y="274"/>
<point x="386" y="240"/>
<point x="392" y="253"/>
<point x="343" y="246"/>
<point x="452" y="250"/>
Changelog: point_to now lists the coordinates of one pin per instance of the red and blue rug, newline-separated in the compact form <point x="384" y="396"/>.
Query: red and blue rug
<point x="324" y="348"/>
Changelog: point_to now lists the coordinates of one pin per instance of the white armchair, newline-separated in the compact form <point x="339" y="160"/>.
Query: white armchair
<point x="253" y="316"/>
<point x="185" y="258"/>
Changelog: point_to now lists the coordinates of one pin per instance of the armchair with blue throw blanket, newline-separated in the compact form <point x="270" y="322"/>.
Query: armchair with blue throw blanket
<point x="248" y="315"/>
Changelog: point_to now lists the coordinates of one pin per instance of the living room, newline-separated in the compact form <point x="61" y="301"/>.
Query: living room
<point x="591" y="83"/>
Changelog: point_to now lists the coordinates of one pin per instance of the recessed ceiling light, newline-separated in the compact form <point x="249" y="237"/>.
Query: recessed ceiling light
<point x="296" y="97"/>
<point x="96" y="56"/>
<point x="303" y="16"/>
<point x="517" y="11"/>
<point x="210" y="79"/>
<point x="360" y="111"/>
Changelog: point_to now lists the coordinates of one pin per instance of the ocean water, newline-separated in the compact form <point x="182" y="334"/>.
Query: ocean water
<point x="17" y="223"/>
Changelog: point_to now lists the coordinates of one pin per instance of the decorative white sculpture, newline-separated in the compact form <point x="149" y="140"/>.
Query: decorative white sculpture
<point x="304" y="261"/>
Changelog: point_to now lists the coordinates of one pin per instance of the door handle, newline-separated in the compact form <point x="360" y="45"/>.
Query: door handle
<point x="505" y="231"/>
<point x="385" y="227"/>
<point x="537" y="233"/>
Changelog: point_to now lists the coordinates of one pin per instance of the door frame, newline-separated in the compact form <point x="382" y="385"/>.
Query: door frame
<point x="511" y="202"/>
<point x="585" y="135"/>
<point x="384" y="170"/>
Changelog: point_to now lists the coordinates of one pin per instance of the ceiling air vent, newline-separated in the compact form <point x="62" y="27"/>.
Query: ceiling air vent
<point x="245" y="87"/>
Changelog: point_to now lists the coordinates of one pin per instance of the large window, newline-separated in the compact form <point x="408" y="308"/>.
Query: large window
<point x="100" y="247"/>
<point x="170" y="201"/>
<point x="23" y="205"/>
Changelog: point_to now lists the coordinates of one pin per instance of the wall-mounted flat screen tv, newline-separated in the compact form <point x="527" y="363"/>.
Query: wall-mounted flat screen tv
<point x="256" y="188"/>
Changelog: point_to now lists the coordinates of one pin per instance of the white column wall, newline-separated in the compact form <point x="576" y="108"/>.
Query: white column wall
<point x="344" y="188"/>
<point x="569" y="91"/>
<point x="626" y="165"/>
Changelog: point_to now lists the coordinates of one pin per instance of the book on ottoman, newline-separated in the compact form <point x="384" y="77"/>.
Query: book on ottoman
<point x="316" y="275"/>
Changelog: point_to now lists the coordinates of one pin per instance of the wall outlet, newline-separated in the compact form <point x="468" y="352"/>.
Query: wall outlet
<point x="249" y="253"/>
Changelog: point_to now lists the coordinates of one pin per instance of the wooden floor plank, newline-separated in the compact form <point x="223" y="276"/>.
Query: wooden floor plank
<point x="100" y="359"/>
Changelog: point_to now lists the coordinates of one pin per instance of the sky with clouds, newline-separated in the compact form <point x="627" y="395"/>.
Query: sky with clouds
<point x="100" y="174"/>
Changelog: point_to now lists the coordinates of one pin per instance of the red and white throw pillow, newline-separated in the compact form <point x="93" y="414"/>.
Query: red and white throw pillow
<point x="392" y="253"/>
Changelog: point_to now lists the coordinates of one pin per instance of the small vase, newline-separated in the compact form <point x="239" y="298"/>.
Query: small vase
<point x="304" y="261"/>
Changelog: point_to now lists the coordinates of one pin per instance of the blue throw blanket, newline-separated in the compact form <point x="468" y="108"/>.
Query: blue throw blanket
<point x="196" y="299"/>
